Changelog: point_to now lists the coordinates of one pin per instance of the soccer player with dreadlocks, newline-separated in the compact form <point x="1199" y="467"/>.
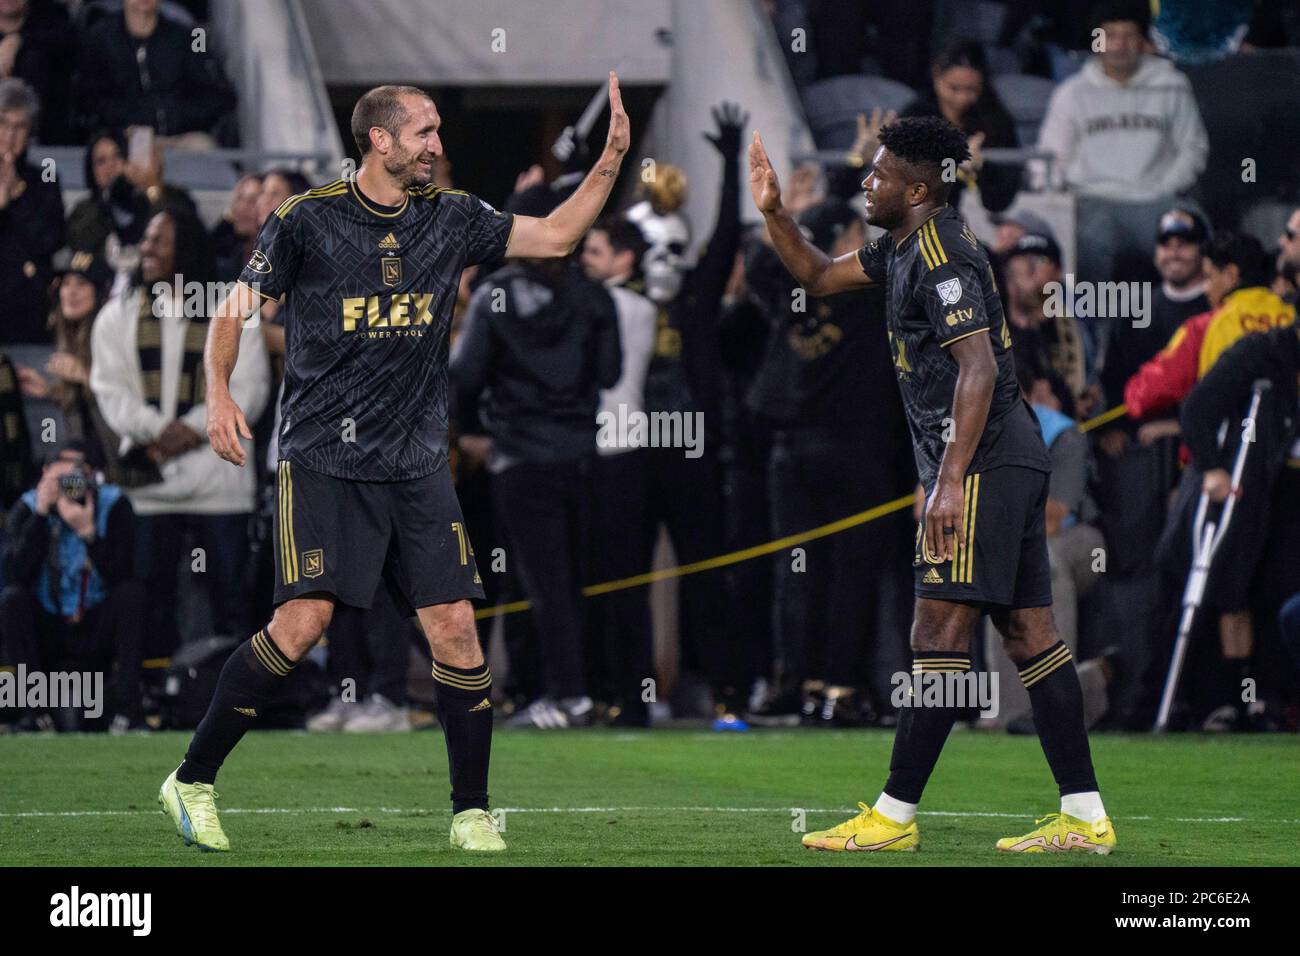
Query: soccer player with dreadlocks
<point x="981" y="545"/>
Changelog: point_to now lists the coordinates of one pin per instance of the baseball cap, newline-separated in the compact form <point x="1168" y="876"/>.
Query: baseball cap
<point x="1185" y="223"/>
<point x="1035" y="244"/>
<point x="1028" y="221"/>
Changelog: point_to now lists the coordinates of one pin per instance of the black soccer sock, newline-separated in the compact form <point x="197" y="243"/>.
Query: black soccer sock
<point x="465" y="712"/>
<point x="922" y="729"/>
<point x="1057" y="702"/>
<point x="249" y="681"/>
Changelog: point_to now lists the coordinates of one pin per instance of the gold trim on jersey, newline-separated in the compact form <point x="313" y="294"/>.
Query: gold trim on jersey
<point x="258" y="291"/>
<point x="336" y="188"/>
<point x="931" y="247"/>
<point x="430" y="191"/>
<point x="406" y="200"/>
<point x="288" y="547"/>
<point x="964" y="335"/>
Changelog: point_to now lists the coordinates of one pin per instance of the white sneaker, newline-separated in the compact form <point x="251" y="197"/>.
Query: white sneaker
<point x="331" y="718"/>
<point x="549" y="714"/>
<point x="377" y="715"/>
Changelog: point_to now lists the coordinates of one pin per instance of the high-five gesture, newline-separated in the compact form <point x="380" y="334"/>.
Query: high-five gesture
<point x="620" y="131"/>
<point x="559" y="233"/>
<point x="763" y="184"/>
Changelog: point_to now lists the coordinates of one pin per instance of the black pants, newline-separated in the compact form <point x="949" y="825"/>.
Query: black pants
<point x="750" y="583"/>
<point x="685" y="494"/>
<point x="371" y="647"/>
<point x="826" y="599"/>
<point x="622" y="639"/>
<point x="159" y="553"/>
<point x="109" y="633"/>
<point x="543" y="508"/>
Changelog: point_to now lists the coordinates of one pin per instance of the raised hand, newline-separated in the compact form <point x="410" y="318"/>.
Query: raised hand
<point x="868" y="138"/>
<point x="763" y="184"/>
<point x="619" y="139"/>
<point x="730" y="122"/>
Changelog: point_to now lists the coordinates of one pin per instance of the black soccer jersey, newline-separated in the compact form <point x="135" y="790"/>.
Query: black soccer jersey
<point x="368" y="295"/>
<point x="939" y="289"/>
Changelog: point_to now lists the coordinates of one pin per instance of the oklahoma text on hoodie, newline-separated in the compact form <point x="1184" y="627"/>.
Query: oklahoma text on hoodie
<point x="1131" y="142"/>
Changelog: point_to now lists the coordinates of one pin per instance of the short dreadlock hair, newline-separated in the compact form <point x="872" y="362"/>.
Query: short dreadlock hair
<point x="924" y="143"/>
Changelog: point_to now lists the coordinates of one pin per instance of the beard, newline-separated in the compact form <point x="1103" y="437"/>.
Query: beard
<point x="407" y="170"/>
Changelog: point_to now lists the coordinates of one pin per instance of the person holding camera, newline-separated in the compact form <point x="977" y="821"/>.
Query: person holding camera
<point x="72" y="602"/>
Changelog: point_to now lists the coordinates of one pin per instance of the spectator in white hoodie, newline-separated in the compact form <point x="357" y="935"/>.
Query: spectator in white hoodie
<point x="147" y="376"/>
<point x="1127" y="136"/>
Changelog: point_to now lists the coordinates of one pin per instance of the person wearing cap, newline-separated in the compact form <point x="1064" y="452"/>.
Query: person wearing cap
<point x="81" y="289"/>
<point x="1238" y="271"/>
<point x="1127" y="137"/>
<point x="1179" y="259"/>
<point x="1032" y="268"/>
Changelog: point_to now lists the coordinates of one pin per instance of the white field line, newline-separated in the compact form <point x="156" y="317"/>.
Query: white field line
<point x="12" y="814"/>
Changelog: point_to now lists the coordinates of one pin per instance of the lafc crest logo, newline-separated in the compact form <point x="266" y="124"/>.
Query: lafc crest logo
<point x="259" y="263"/>
<point x="949" y="291"/>
<point x="390" y="270"/>
<point x="313" y="563"/>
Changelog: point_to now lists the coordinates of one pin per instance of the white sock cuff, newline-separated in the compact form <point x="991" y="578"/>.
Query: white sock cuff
<point x="895" y="810"/>
<point x="1085" y="806"/>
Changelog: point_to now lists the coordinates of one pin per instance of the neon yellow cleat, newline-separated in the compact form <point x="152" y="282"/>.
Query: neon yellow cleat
<point x="1060" y="832"/>
<point x="868" y="831"/>
<point x="192" y="810"/>
<point x="476" y="830"/>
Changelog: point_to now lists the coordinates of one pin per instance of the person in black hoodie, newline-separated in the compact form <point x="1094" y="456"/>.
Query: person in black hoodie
<point x="31" y="221"/>
<point x="140" y="69"/>
<point x="827" y="385"/>
<point x="539" y="342"/>
<point x="1268" y="497"/>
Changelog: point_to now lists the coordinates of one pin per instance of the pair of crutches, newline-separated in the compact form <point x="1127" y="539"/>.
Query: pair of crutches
<point x="1207" y="535"/>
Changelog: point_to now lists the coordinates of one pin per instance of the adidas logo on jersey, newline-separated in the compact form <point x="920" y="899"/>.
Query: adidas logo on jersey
<point x="389" y="242"/>
<point x="932" y="577"/>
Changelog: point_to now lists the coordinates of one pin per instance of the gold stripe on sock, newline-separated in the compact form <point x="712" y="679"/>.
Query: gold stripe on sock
<point x="461" y="681"/>
<point x="266" y="660"/>
<point x="1046" y="666"/>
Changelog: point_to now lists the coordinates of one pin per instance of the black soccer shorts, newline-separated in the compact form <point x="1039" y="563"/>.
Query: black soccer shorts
<point x="343" y="536"/>
<point x="1004" y="562"/>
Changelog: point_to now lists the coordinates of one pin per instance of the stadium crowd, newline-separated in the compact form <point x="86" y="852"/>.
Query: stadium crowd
<point x="779" y="413"/>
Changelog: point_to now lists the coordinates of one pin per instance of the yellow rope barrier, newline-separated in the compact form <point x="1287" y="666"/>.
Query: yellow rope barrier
<point x="758" y="550"/>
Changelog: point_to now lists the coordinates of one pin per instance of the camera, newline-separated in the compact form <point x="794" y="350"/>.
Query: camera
<point x="73" y="486"/>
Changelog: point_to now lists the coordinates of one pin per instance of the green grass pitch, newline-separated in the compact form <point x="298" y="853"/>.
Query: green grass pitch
<point x="650" y="798"/>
